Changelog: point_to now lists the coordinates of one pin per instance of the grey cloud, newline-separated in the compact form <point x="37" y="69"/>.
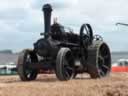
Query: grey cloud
<point x="56" y="4"/>
<point x="17" y="23"/>
<point x="13" y="13"/>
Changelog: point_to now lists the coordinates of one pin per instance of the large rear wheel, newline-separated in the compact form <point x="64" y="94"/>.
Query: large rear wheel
<point x="25" y="58"/>
<point x="64" y="64"/>
<point x="99" y="60"/>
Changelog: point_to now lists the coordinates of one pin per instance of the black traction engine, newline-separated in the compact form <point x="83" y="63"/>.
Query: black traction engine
<point x="65" y="52"/>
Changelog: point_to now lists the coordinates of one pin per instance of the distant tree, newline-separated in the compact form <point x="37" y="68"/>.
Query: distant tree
<point x="7" y="51"/>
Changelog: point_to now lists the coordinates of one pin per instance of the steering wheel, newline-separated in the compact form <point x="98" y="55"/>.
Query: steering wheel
<point x="98" y="38"/>
<point x="86" y="34"/>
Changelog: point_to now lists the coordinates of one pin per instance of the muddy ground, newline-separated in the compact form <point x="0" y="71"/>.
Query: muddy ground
<point x="47" y="85"/>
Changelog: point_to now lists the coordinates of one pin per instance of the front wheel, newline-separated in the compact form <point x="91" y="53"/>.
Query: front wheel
<point x="25" y="58"/>
<point x="64" y="64"/>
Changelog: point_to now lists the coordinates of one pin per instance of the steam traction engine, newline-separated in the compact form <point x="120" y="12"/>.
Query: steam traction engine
<point x="67" y="53"/>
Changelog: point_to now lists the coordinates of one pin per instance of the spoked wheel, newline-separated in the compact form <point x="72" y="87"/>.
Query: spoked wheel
<point x="27" y="57"/>
<point x="86" y="34"/>
<point x="103" y="61"/>
<point x="64" y="64"/>
<point x="99" y="60"/>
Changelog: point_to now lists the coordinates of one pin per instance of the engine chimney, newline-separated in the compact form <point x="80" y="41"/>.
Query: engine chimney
<point x="47" y="9"/>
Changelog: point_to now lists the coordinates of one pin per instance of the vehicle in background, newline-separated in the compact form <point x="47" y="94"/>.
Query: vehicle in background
<point x="120" y="66"/>
<point x="8" y="69"/>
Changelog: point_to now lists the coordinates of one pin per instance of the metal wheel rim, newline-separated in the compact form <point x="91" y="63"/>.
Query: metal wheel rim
<point x="68" y="70"/>
<point x="104" y="60"/>
<point x="27" y="71"/>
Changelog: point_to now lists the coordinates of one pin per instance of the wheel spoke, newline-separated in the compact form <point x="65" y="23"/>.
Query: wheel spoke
<point x="67" y="74"/>
<point x="105" y="66"/>
<point x="65" y="63"/>
<point x="28" y="60"/>
<point x="101" y="58"/>
<point x="28" y="72"/>
<point x="69" y="68"/>
<point x="101" y="72"/>
<point x="106" y="56"/>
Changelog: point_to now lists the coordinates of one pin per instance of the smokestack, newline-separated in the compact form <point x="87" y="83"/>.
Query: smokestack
<point x="47" y="9"/>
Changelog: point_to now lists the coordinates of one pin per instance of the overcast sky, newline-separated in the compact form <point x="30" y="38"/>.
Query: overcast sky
<point x="21" y="21"/>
